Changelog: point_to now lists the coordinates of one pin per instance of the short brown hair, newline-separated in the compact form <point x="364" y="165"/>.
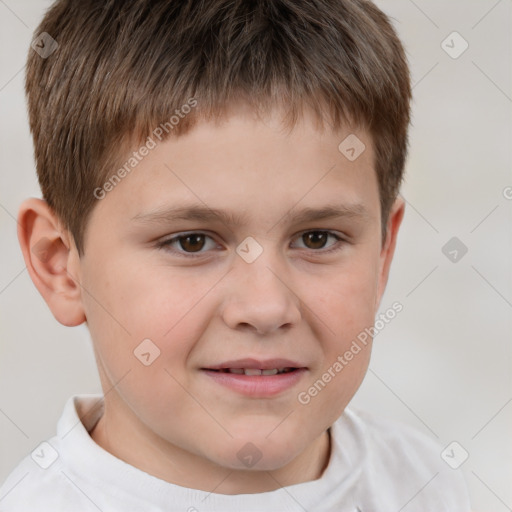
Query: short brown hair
<point x="123" y="67"/>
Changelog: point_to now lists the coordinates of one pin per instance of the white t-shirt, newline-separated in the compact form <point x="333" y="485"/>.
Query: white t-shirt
<point x="375" y="466"/>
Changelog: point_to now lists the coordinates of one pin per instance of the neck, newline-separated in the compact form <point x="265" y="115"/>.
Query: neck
<point x="170" y="463"/>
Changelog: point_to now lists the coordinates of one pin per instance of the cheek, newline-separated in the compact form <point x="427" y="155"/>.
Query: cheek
<point x="144" y="300"/>
<point x="345" y="304"/>
<point x="346" y="299"/>
<point x="144" y="328"/>
<point x="146" y="321"/>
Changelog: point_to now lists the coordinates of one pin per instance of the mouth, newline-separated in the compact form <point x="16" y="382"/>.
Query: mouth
<point x="254" y="371"/>
<point x="257" y="379"/>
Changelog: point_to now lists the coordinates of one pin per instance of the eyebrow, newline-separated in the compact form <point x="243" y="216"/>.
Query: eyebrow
<point x="203" y="213"/>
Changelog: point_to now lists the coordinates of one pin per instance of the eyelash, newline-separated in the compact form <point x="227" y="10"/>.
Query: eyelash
<point x="166" y="244"/>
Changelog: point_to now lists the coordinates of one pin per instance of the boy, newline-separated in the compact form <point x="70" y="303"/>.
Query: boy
<point x="221" y="208"/>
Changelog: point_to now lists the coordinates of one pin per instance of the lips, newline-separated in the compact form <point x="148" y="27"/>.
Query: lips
<point x="257" y="379"/>
<point x="255" y="371"/>
<point x="254" y="367"/>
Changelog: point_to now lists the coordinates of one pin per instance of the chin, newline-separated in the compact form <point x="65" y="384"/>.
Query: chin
<point x="255" y="454"/>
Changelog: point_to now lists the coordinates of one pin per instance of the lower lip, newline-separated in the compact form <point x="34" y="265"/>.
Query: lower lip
<point x="257" y="386"/>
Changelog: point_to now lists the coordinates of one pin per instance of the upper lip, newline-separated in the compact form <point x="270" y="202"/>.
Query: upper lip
<point x="266" y="364"/>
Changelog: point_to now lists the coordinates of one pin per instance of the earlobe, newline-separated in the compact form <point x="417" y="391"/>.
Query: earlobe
<point x="388" y="248"/>
<point x="52" y="260"/>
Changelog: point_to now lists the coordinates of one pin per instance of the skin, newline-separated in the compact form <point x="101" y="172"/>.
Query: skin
<point x="294" y="301"/>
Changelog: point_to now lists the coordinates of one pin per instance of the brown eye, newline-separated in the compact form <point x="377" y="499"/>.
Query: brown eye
<point x="188" y="244"/>
<point x="315" y="239"/>
<point x="191" y="243"/>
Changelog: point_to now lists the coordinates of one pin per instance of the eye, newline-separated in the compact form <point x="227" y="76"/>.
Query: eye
<point x="187" y="243"/>
<point x="316" y="240"/>
<point x="192" y="244"/>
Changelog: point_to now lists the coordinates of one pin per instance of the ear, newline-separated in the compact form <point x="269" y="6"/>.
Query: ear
<point x="52" y="260"/>
<point x="388" y="248"/>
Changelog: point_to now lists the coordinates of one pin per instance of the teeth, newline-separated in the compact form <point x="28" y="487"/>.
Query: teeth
<point x="256" y="371"/>
<point x="252" y="371"/>
<point x="239" y="371"/>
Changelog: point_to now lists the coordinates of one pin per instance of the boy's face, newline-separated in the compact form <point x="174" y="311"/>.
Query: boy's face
<point x="274" y="285"/>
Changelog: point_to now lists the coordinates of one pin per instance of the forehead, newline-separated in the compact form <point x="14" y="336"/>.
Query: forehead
<point x="242" y="166"/>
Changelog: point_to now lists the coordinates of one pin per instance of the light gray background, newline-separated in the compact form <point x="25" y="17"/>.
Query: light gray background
<point x="444" y="364"/>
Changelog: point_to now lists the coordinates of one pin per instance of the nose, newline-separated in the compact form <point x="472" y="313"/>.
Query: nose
<point x="260" y="297"/>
